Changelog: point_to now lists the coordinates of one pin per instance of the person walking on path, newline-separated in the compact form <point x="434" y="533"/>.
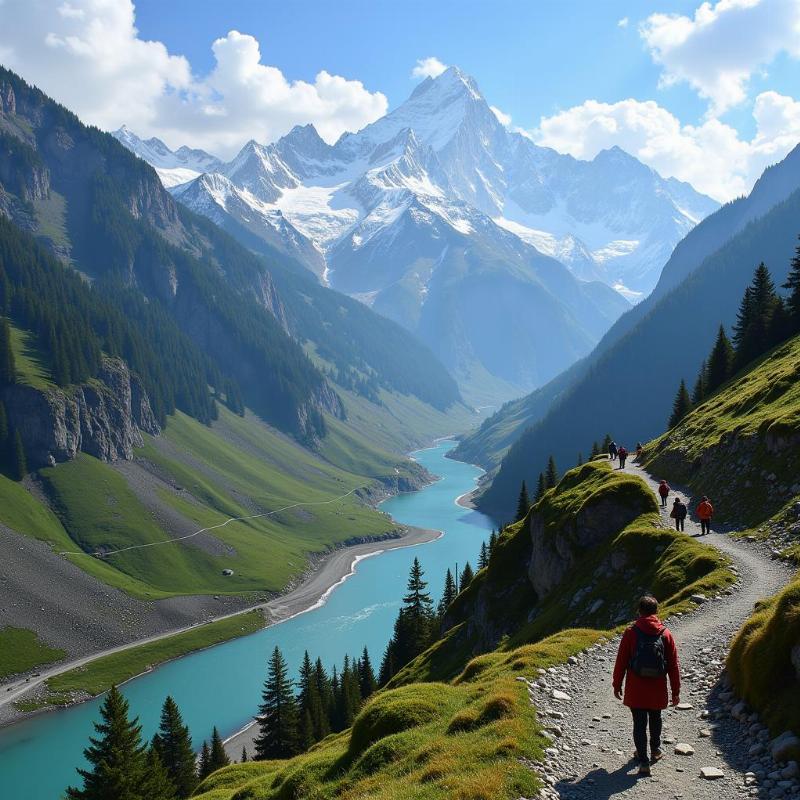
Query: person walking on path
<point x="612" y="450"/>
<point x="678" y="513"/>
<point x="622" y="453"/>
<point x="705" y="511"/>
<point x="663" y="493"/>
<point x="639" y="451"/>
<point x="647" y="656"/>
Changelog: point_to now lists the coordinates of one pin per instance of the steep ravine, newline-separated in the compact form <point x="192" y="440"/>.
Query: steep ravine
<point x="591" y="752"/>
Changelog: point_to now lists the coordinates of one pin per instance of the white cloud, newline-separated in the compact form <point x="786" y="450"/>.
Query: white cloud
<point x="502" y="117"/>
<point x="726" y="42"/>
<point x="429" y="67"/>
<point x="89" y="56"/>
<point x="711" y="156"/>
<point x="623" y="23"/>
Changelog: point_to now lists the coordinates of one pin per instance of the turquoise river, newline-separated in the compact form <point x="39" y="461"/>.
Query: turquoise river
<point x="221" y="686"/>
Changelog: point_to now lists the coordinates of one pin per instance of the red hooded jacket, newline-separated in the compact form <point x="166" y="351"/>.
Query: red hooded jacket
<point x="650" y="693"/>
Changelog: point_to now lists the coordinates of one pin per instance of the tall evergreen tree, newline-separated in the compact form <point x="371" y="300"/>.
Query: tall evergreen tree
<point x="720" y="362"/>
<point x="244" y="755"/>
<point x="541" y="487"/>
<point x="204" y="763"/>
<point x="551" y="475"/>
<point x="699" y="390"/>
<point x="448" y="594"/>
<point x="595" y="450"/>
<point x="366" y="676"/>
<point x="174" y="747"/>
<point x="492" y="543"/>
<point x="523" y="503"/>
<point x="466" y="576"/>
<point x="754" y="322"/>
<point x="483" y="556"/>
<point x="388" y="669"/>
<point x="19" y="462"/>
<point x="681" y="406"/>
<point x="278" y="721"/>
<point x="116" y="756"/>
<point x="218" y="758"/>
<point x="418" y="607"/>
<point x="606" y="443"/>
<point x="8" y="372"/>
<point x="793" y="285"/>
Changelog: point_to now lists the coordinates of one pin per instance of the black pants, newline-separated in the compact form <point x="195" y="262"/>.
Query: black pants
<point x="663" y="500"/>
<point x="678" y="524"/>
<point x="622" y="462"/>
<point x="641" y="717"/>
<point x="705" y="526"/>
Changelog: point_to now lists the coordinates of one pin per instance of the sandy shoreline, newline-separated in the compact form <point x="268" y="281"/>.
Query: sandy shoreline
<point x="311" y="593"/>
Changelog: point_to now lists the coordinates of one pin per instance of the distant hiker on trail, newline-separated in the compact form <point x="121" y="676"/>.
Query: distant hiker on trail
<point x="646" y="656"/>
<point x="678" y="513"/>
<point x="612" y="450"/>
<point x="705" y="511"/>
<point x="623" y="455"/>
<point x="639" y="451"/>
<point x="663" y="493"/>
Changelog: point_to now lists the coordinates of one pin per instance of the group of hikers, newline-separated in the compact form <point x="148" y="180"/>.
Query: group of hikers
<point x="679" y="512"/>
<point x="620" y="452"/>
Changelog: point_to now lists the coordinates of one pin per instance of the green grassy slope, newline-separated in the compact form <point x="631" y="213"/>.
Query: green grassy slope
<point x="194" y="476"/>
<point x="741" y="448"/>
<point x="22" y="650"/>
<point x="454" y="724"/>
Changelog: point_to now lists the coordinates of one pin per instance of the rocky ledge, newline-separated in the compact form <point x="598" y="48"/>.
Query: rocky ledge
<point x="104" y="417"/>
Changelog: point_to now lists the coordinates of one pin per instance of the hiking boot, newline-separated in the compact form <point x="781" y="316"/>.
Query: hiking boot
<point x="657" y="755"/>
<point x="644" y="769"/>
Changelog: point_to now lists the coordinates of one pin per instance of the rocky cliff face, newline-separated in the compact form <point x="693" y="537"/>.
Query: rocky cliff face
<point x="104" y="417"/>
<point x="553" y="555"/>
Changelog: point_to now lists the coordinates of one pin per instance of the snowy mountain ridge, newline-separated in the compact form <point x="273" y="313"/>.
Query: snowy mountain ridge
<point x="438" y="195"/>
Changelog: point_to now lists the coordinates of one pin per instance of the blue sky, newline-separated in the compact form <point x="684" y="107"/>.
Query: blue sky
<point x="701" y="91"/>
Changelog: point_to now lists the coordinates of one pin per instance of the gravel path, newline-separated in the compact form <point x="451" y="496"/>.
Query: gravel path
<point x="591" y="753"/>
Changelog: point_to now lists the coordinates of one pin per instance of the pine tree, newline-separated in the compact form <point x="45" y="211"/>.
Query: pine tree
<point x="541" y="487"/>
<point x="793" y="285"/>
<point x="157" y="784"/>
<point x="483" y="556"/>
<point x="204" y="765"/>
<point x="174" y="747"/>
<point x="754" y="323"/>
<point x="387" y="670"/>
<point x="325" y="692"/>
<point x="606" y="443"/>
<point x="366" y="676"/>
<point x="492" y="543"/>
<point x="466" y="576"/>
<point x="418" y="608"/>
<point x="551" y="475"/>
<point x="448" y="594"/>
<point x="244" y="755"/>
<point x="314" y="718"/>
<point x="19" y="463"/>
<point x="681" y="406"/>
<point x="117" y="757"/>
<point x="699" y="390"/>
<point x="595" y="451"/>
<point x="278" y="718"/>
<point x="218" y="758"/>
<point x="523" y="503"/>
<point x="8" y="373"/>
<point x="720" y="363"/>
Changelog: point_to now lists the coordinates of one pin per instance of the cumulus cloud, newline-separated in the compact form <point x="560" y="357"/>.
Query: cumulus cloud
<point x="718" y="49"/>
<point x="713" y="157"/>
<point x="89" y="56"/>
<point x="502" y="117"/>
<point x="429" y="67"/>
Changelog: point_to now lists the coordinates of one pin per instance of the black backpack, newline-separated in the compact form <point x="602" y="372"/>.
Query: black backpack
<point x="650" y="657"/>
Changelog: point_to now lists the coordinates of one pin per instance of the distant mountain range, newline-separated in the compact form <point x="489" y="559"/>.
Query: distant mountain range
<point x="436" y="208"/>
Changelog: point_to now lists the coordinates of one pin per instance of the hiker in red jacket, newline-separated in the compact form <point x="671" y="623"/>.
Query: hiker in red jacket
<point x="663" y="493"/>
<point x="622" y="453"/>
<point x="705" y="511"/>
<point x="647" y="656"/>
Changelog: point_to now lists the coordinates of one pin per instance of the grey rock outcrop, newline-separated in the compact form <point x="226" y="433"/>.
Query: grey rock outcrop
<point x="556" y="552"/>
<point x="104" y="417"/>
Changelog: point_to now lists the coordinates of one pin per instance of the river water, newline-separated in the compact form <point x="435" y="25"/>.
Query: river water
<point x="222" y="686"/>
